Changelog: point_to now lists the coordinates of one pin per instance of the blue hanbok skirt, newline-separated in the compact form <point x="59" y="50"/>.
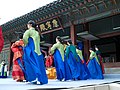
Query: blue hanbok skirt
<point x="68" y="74"/>
<point x="83" y="70"/>
<point x="72" y="66"/>
<point x="34" y="64"/>
<point x="95" y="69"/>
<point x="59" y="65"/>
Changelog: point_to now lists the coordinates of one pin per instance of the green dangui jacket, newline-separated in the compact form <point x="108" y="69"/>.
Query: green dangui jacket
<point x="71" y="48"/>
<point x="58" y="46"/>
<point x="36" y="38"/>
<point x="79" y="52"/>
<point x="93" y="55"/>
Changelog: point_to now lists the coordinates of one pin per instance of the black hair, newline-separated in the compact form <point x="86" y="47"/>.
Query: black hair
<point x="20" y="35"/>
<point x="69" y="41"/>
<point x="32" y="23"/>
<point x="91" y="49"/>
<point x="3" y="60"/>
<point x="64" y="42"/>
<point x="59" y="39"/>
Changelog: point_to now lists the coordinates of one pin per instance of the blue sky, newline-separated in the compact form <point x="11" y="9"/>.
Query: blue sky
<point x="10" y="9"/>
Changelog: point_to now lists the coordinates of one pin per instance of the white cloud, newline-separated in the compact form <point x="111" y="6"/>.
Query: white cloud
<point x="10" y="9"/>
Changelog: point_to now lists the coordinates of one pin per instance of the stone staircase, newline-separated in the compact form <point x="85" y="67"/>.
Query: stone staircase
<point x="112" y="70"/>
<point x="112" y="86"/>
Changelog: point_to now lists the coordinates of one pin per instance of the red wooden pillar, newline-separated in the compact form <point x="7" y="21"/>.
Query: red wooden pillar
<point x="87" y="43"/>
<point x="11" y="57"/>
<point x="86" y="49"/>
<point x="51" y="37"/>
<point x="73" y="33"/>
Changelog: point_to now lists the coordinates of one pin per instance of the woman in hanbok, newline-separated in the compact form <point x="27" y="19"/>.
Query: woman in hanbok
<point x="72" y="61"/>
<point x="98" y="53"/>
<point x="94" y="66"/>
<point x="49" y="61"/>
<point x="17" y="70"/>
<point x="3" y="69"/>
<point x="33" y="58"/>
<point x="58" y="52"/>
<point x="51" y="71"/>
<point x="84" y="72"/>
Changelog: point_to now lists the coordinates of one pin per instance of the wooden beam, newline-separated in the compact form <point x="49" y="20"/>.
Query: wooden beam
<point x="87" y="9"/>
<point x="96" y="7"/>
<point x="104" y="4"/>
<point x="109" y="34"/>
<point x="79" y="11"/>
<point x="114" y="2"/>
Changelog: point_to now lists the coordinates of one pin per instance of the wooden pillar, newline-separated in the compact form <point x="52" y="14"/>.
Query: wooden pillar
<point x="73" y="33"/>
<point x="86" y="49"/>
<point x="51" y="38"/>
<point x="117" y="42"/>
<point x="11" y="57"/>
<point x="87" y="43"/>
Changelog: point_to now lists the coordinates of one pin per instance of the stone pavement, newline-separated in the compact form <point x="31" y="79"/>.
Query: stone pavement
<point x="9" y="84"/>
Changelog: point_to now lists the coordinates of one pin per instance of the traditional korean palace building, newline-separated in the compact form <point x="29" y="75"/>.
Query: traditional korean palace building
<point x="90" y="22"/>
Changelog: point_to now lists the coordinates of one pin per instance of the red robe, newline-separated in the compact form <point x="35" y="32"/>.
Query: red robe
<point x="51" y="71"/>
<point x="101" y="64"/>
<point x="49" y="61"/>
<point x="1" y="40"/>
<point x="17" y="73"/>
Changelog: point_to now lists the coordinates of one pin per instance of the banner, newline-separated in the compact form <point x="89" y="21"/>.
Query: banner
<point x="1" y="39"/>
<point x="50" y="25"/>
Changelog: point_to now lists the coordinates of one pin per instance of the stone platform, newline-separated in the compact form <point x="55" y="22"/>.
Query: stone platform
<point x="109" y="83"/>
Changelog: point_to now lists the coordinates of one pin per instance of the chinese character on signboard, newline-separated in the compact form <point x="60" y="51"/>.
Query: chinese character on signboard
<point x="42" y="27"/>
<point x="50" y="25"/>
<point x="55" y="23"/>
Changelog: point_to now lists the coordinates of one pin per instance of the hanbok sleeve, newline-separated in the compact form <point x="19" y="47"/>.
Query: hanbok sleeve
<point x="92" y="55"/>
<point x="52" y="50"/>
<point x="5" y="68"/>
<point x="79" y="52"/>
<point x="25" y="37"/>
<point x="0" y="68"/>
<point x="14" y="47"/>
<point x="21" y="43"/>
<point x="67" y="51"/>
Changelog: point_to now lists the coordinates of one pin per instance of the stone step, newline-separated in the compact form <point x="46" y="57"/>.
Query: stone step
<point x="112" y="70"/>
<point x="113" y="86"/>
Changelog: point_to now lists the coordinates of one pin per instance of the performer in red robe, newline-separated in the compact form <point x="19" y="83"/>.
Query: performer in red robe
<point x="1" y="39"/>
<point x="51" y="71"/>
<point x="49" y="61"/>
<point x="17" y="73"/>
